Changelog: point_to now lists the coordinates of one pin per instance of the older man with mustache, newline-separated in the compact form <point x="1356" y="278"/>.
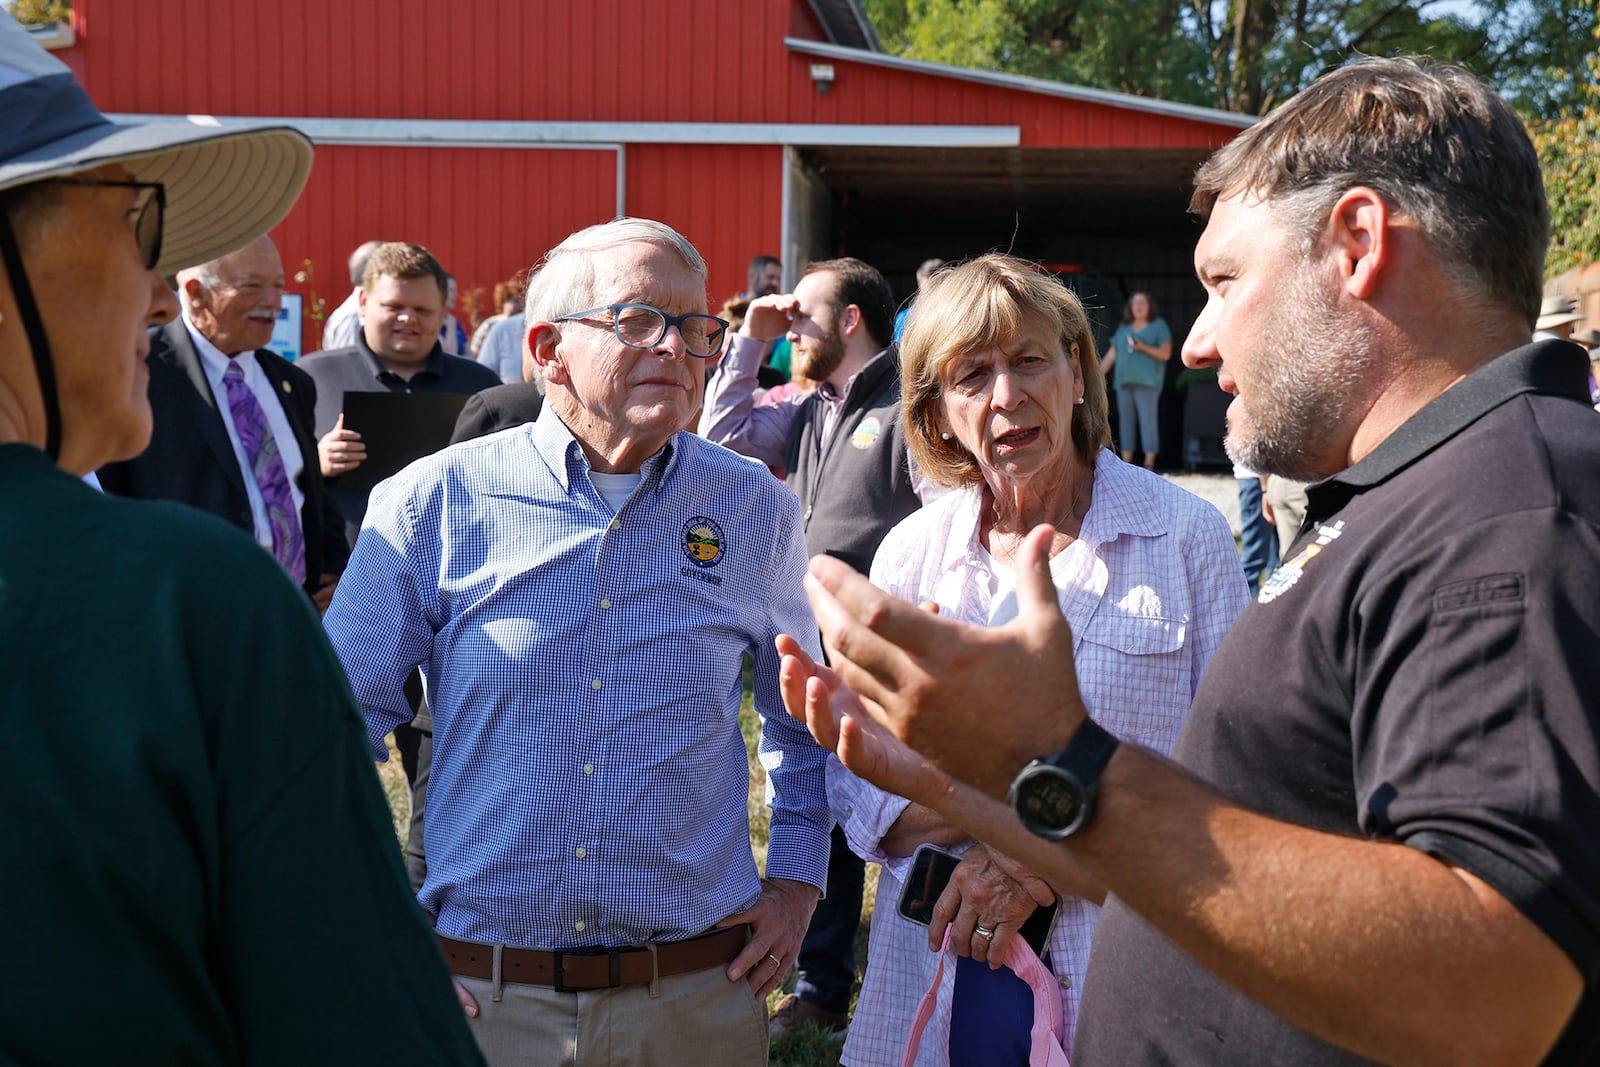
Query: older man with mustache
<point x="233" y="421"/>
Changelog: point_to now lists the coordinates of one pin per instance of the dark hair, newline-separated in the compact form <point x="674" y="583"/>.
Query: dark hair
<point x="403" y="261"/>
<point x="1127" y="306"/>
<point x="1436" y="143"/>
<point x="761" y="263"/>
<point x="860" y="284"/>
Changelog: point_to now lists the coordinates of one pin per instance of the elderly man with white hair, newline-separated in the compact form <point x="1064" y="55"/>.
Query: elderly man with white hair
<point x="579" y="593"/>
<point x="233" y="421"/>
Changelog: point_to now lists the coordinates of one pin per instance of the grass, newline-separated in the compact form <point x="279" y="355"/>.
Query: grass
<point x="807" y="1047"/>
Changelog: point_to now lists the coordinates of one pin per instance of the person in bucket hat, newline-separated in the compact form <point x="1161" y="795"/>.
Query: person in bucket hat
<point x="200" y="860"/>
<point x="1557" y="316"/>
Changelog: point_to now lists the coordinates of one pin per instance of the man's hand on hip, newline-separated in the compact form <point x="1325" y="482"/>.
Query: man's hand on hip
<point x="778" y="921"/>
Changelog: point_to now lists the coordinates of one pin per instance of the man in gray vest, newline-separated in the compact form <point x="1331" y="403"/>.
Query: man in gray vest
<point x="843" y="448"/>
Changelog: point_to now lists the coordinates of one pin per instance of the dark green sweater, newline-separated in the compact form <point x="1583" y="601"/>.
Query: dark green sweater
<point x="199" y="866"/>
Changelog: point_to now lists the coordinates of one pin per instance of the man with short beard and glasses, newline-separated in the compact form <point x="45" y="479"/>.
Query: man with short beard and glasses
<point x="843" y="447"/>
<point x="1387" y="853"/>
<point x="221" y="399"/>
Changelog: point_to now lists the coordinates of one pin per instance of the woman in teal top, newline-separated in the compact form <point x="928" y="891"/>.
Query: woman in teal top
<point x="1139" y="350"/>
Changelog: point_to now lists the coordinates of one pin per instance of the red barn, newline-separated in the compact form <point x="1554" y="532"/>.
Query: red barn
<point x="487" y="130"/>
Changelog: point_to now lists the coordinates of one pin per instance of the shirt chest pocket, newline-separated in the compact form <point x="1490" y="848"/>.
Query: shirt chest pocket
<point x="1136" y="676"/>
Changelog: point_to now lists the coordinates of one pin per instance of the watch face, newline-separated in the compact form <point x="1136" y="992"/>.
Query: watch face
<point x="1049" y="798"/>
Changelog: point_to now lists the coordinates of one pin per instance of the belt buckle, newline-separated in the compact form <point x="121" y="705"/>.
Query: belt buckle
<point x="613" y="970"/>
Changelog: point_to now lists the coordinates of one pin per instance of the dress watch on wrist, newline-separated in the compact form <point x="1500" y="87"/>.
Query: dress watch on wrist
<point x="1054" y="796"/>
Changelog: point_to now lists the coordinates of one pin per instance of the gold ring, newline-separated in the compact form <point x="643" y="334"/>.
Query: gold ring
<point x="776" y="962"/>
<point x="984" y="932"/>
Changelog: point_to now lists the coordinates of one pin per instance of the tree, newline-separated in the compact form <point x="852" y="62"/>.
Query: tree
<point x="1569" y="155"/>
<point x="1243" y="55"/>
<point x="29" y="12"/>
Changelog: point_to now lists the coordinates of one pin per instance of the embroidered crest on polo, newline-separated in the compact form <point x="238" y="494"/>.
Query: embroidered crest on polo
<point x="1289" y="574"/>
<point x="702" y="541"/>
<point x="866" y="433"/>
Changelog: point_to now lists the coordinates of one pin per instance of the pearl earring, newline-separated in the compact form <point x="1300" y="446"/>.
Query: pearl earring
<point x="1078" y="401"/>
<point x="945" y="436"/>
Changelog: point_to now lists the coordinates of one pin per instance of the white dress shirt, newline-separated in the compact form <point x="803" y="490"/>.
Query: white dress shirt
<point x="216" y="365"/>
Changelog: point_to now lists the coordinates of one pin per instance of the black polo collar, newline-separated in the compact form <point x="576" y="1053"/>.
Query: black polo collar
<point x="1552" y="368"/>
<point x="433" y="365"/>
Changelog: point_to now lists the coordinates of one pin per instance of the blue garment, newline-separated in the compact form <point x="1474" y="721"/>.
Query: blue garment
<point x="589" y="781"/>
<point x="1134" y="367"/>
<point x="991" y="1016"/>
<point x="1258" y="538"/>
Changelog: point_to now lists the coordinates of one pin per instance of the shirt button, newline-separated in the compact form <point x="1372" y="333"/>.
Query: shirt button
<point x="588" y="768"/>
<point x="582" y="853"/>
<point x="605" y="603"/>
<point x="1066" y="983"/>
<point x="578" y="926"/>
<point x="616" y="524"/>
<point x="595" y="684"/>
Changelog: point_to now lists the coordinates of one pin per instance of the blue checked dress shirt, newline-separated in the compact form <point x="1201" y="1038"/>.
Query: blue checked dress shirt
<point x="589" y="784"/>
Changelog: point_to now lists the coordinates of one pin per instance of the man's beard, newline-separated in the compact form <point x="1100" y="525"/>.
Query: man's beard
<point x="1303" y="385"/>
<point x="820" y="357"/>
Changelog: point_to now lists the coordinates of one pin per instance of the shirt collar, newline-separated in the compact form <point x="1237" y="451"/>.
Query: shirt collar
<point x="213" y="359"/>
<point x="1118" y="506"/>
<point x="433" y="365"/>
<point x="564" y="455"/>
<point x="835" y="397"/>
<point x="1552" y="368"/>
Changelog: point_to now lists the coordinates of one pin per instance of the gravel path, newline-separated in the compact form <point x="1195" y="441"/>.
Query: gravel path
<point x="1221" y="490"/>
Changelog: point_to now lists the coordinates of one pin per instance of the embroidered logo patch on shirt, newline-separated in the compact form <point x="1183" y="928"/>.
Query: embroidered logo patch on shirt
<point x="1287" y="576"/>
<point x="866" y="433"/>
<point x="702" y="541"/>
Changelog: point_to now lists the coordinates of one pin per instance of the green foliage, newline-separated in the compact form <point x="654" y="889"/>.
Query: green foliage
<point x="29" y="12"/>
<point x="1569" y="154"/>
<point x="1242" y="55"/>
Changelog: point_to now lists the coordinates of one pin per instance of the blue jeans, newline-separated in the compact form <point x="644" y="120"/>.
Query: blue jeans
<point x="1137" y="407"/>
<point x="827" y="960"/>
<point x="1258" y="538"/>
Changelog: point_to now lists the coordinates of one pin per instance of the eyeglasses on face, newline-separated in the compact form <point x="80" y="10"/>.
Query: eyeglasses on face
<point x="642" y="326"/>
<point x="149" y="212"/>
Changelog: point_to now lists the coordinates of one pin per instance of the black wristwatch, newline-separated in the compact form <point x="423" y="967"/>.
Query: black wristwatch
<point x="1054" y="796"/>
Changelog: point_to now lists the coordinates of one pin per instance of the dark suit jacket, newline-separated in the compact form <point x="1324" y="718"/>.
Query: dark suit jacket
<point x="191" y="460"/>
<point x="498" y="408"/>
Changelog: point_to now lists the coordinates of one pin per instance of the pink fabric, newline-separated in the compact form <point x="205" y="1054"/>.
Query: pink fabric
<point x="1049" y="1030"/>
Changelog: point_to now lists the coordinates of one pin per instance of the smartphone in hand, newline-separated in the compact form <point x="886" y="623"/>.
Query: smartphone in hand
<point x="931" y="868"/>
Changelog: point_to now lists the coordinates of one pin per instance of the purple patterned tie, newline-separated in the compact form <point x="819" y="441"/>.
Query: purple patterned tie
<point x="261" y="448"/>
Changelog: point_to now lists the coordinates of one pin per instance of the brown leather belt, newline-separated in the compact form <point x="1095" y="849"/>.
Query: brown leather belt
<point x="572" y="970"/>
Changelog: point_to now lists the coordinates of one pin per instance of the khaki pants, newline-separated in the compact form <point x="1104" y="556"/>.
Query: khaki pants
<point x="697" y="1020"/>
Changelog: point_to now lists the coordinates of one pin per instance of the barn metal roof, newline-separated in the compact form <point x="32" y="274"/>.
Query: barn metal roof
<point x="1214" y="116"/>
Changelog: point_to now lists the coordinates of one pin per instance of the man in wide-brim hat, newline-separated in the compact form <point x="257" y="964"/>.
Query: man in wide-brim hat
<point x="1556" y="318"/>
<point x="200" y="864"/>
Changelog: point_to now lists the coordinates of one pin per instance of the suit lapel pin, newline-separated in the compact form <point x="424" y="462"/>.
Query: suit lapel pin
<point x="288" y="388"/>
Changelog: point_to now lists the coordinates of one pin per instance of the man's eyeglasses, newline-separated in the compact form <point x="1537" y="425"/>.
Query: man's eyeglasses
<point x="642" y="326"/>
<point x="149" y="212"/>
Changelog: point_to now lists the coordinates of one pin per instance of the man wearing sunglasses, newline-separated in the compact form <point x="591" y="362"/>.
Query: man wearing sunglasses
<point x="203" y="857"/>
<point x="579" y="593"/>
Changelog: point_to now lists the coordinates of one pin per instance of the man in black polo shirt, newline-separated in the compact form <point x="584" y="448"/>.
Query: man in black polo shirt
<point x="1386" y="850"/>
<point x="402" y="304"/>
<point x="397" y="351"/>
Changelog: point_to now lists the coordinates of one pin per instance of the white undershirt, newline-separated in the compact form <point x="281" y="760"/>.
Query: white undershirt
<point x="216" y="365"/>
<point x="615" y="489"/>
